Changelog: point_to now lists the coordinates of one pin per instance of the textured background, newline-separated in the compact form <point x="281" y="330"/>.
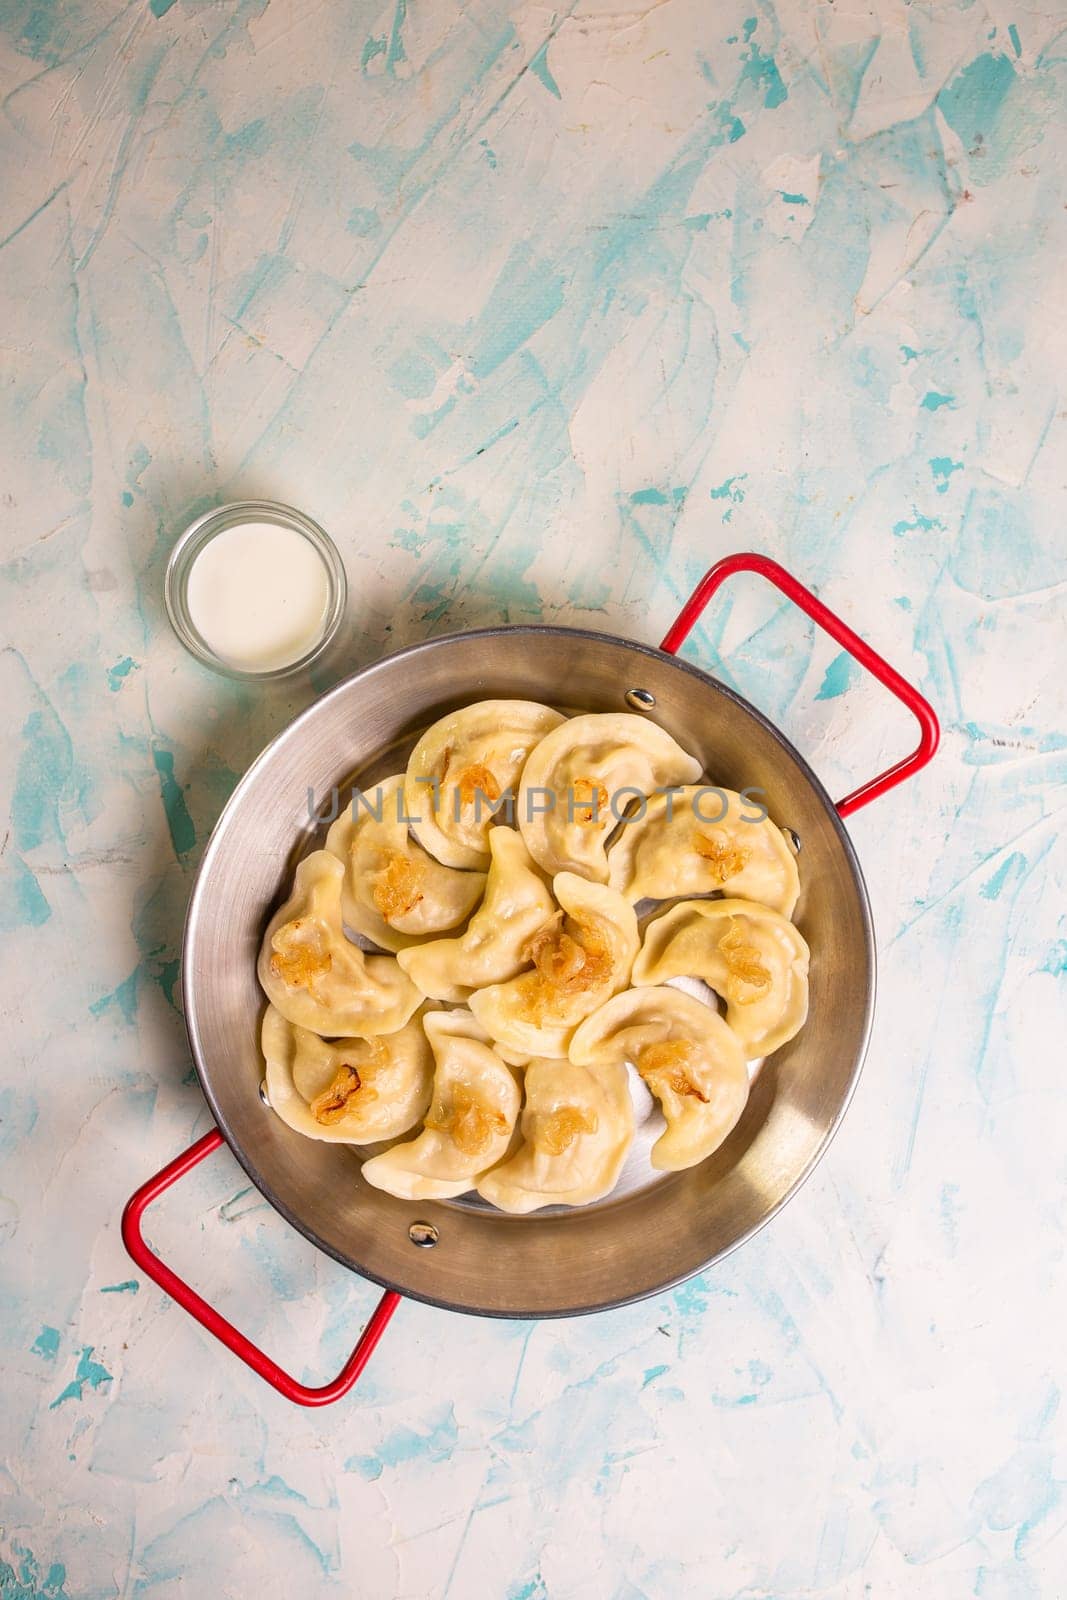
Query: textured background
<point x="538" y="311"/>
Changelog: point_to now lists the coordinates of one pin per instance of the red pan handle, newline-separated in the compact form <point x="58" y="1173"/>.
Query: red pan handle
<point x="212" y="1320"/>
<point x="921" y="710"/>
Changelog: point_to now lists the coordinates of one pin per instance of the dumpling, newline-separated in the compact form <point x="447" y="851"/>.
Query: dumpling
<point x="586" y="773"/>
<point x="577" y="1127"/>
<point x="470" y="1122"/>
<point x="316" y="977"/>
<point x="354" y="1091"/>
<point x="517" y="904"/>
<point x="465" y="765"/>
<point x="394" y="892"/>
<point x="691" y="1060"/>
<point x="752" y="957"/>
<point x="676" y="849"/>
<point x="579" y="960"/>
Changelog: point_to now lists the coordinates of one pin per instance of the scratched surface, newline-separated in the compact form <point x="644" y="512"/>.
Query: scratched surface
<point x="539" y="310"/>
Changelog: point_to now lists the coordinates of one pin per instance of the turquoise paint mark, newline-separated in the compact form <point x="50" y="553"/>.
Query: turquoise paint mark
<point x="1056" y="960"/>
<point x="942" y="468"/>
<point x="918" y="55"/>
<point x="494" y="438"/>
<point x="165" y="974"/>
<point x="409" y="539"/>
<point x="153" y="932"/>
<point x="726" y="490"/>
<point x="998" y="550"/>
<point x="120" y="670"/>
<point x="362" y="221"/>
<point x="949" y="1209"/>
<point x="1020" y="1495"/>
<point x="526" y="295"/>
<point x="849" y="68"/>
<point x="180" y="823"/>
<point x="589" y="593"/>
<point x="533" y="1589"/>
<point x="490" y="153"/>
<point x="691" y="1299"/>
<point x="139" y="85"/>
<point x="1013" y="35"/>
<point x="932" y="401"/>
<point x="46" y="1344"/>
<point x="436" y="598"/>
<point x="88" y="1372"/>
<point x="278" y="1487"/>
<point x="130" y="1286"/>
<point x="990" y="745"/>
<point x="422" y="426"/>
<point x="909" y="354"/>
<point x="412" y="376"/>
<point x="405" y="1444"/>
<point x="127" y="498"/>
<point x="141" y="456"/>
<point x="76" y="688"/>
<point x="1014" y="867"/>
<point x="973" y="103"/>
<point x="159" y="8"/>
<point x="18" y="1118"/>
<point x="540" y="68"/>
<point x="839" y="676"/>
<point x="659" y="497"/>
<point x="239" y="1205"/>
<point x="22" y="901"/>
<point x="269" y="276"/>
<point x="792" y="199"/>
<point x="46" y="782"/>
<point x="250" y="139"/>
<point x="27" y="1582"/>
<point x="918" y="524"/>
<point x="1048" y="1410"/>
<point x="749" y="27"/>
<point x="62" y="423"/>
<point x="762" y="72"/>
<point x="34" y="214"/>
<point x="903" y="602"/>
<point x="374" y="47"/>
<point x="396" y="52"/>
<point x="124" y="998"/>
<point x="652" y="1373"/>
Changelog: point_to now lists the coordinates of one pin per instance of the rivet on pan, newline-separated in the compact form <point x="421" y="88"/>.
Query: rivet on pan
<point x="424" y="1234"/>
<point x="263" y="1095"/>
<point x="795" y="837"/>
<point x="640" y="699"/>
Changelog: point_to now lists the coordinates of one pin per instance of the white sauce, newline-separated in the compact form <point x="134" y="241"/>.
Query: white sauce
<point x="258" y="596"/>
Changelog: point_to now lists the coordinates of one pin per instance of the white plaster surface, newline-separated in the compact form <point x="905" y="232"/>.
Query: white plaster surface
<point x="539" y="310"/>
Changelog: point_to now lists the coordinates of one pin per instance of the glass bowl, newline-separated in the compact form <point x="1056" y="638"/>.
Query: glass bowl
<point x="200" y="533"/>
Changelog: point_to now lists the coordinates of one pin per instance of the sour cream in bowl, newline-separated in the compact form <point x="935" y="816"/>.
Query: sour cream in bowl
<point x="255" y="589"/>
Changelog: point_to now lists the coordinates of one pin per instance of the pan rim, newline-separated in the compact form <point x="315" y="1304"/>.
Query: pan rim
<point x="290" y="731"/>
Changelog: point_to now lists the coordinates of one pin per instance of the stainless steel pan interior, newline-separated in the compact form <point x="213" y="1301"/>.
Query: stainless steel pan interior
<point x="658" y="1230"/>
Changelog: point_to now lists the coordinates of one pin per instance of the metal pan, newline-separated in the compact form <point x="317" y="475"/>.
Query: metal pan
<point x="656" y="1229"/>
